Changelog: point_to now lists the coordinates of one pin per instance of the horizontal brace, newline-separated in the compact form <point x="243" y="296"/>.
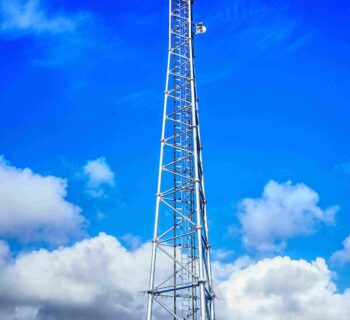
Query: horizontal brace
<point x="179" y="99"/>
<point x="188" y="78"/>
<point x="178" y="148"/>
<point x="180" y="45"/>
<point x="173" y="275"/>
<point x="179" y="200"/>
<point x="179" y="35"/>
<point x="181" y="110"/>
<point x="180" y="296"/>
<point x="178" y="190"/>
<point x="167" y="231"/>
<point x="178" y="237"/>
<point x="180" y="55"/>
<point x="178" y="174"/>
<point x="179" y="66"/>
<point x="174" y="137"/>
<point x="184" y="6"/>
<point x="179" y="26"/>
<point x="178" y="160"/>
<point x="176" y="288"/>
<point x="180" y="17"/>
<point x="188" y="83"/>
<point x="189" y="125"/>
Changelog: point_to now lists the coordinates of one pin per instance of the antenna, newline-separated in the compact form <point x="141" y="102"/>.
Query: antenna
<point x="200" y="28"/>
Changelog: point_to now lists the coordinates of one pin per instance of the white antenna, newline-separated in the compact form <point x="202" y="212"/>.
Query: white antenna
<point x="200" y="28"/>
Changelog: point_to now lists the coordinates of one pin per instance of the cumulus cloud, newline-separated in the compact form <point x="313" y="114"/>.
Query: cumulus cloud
<point x="99" y="174"/>
<point x="96" y="278"/>
<point x="282" y="288"/>
<point x="10" y="312"/>
<point x="283" y="211"/>
<point x="342" y="257"/>
<point x="33" y="207"/>
<point x="223" y="270"/>
<point x="29" y="16"/>
<point x="100" y="279"/>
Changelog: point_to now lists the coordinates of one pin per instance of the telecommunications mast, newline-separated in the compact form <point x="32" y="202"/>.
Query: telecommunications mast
<point x="180" y="278"/>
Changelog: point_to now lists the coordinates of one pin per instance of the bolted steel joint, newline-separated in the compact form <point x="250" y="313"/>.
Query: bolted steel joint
<point x="159" y="196"/>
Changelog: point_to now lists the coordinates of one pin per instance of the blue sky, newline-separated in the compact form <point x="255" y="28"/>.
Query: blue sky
<point x="83" y="80"/>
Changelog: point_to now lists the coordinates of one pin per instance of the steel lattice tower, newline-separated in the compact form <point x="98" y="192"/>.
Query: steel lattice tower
<point x="182" y="288"/>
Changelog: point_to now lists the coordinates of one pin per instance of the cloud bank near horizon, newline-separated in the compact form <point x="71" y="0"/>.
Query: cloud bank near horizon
<point x="98" y="278"/>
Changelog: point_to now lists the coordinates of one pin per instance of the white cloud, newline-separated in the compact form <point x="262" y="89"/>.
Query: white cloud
<point x="100" y="279"/>
<point x="17" y="312"/>
<point x="223" y="270"/>
<point x="33" y="207"/>
<point x="100" y="215"/>
<point x="95" y="279"/>
<point x="282" y="288"/>
<point x="222" y="254"/>
<point x="63" y="39"/>
<point x="342" y="257"/>
<point x="29" y="16"/>
<point x="284" y="211"/>
<point x="99" y="174"/>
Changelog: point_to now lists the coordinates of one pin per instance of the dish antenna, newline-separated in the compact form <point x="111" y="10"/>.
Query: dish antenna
<point x="200" y="28"/>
